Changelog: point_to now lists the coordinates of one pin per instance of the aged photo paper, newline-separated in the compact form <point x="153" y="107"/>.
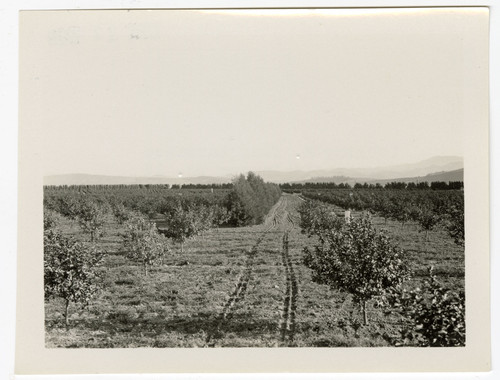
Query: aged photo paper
<point x="182" y="101"/>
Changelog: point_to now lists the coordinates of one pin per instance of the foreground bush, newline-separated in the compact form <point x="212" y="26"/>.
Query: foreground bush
<point x="435" y="316"/>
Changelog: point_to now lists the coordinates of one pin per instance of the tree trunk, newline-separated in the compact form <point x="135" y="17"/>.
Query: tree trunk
<point x="92" y="236"/>
<point x="365" y="314"/>
<point x="182" y="247"/>
<point x="426" y="235"/>
<point x="66" y="313"/>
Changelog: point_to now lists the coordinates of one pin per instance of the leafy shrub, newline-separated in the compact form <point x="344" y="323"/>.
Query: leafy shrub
<point x="435" y="316"/>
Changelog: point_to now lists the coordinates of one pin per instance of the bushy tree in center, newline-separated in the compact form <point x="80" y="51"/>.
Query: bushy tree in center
<point x="251" y="199"/>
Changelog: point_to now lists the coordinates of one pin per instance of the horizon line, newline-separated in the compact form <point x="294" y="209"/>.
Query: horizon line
<point x="232" y="175"/>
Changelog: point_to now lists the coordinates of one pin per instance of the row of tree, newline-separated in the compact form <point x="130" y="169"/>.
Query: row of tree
<point x="395" y="185"/>
<point x="356" y="258"/>
<point x="152" y="187"/>
<point x="429" y="209"/>
<point x="250" y="200"/>
<point x="245" y="203"/>
<point x="71" y="267"/>
<point x="150" y="201"/>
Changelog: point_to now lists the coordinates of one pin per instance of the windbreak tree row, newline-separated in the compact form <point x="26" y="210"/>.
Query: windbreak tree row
<point x="251" y="199"/>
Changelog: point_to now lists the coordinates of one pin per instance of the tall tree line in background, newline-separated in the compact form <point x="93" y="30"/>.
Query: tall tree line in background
<point x="251" y="199"/>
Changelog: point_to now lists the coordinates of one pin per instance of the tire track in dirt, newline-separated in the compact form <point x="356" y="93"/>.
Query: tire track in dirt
<point x="237" y="295"/>
<point x="280" y="219"/>
<point x="273" y="220"/>
<point x="288" y="314"/>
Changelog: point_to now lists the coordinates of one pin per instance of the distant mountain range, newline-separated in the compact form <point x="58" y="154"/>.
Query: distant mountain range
<point x="440" y="168"/>
<point x="418" y="169"/>
<point x="450" y="176"/>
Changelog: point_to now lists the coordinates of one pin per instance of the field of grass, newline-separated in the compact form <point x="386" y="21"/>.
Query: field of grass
<point x="237" y="287"/>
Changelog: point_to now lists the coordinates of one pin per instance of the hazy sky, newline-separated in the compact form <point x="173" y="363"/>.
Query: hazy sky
<point x="214" y="93"/>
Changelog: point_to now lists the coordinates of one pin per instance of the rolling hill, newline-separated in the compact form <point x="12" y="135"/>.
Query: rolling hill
<point x="448" y="168"/>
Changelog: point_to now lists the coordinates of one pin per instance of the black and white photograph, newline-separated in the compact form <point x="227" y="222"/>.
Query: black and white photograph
<point x="255" y="178"/>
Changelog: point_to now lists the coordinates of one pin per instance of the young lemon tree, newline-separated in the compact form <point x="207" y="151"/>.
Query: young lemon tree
<point x="91" y="216"/>
<point x="185" y="222"/>
<point x="428" y="219"/>
<point x="70" y="270"/>
<point x="144" y="244"/>
<point x="357" y="259"/>
<point x="455" y="222"/>
<point x="316" y="217"/>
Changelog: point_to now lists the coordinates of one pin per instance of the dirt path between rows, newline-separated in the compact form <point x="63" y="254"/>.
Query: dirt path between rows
<point x="287" y="220"/>
<point x="237" y="295"/>
<point x="287" y="325"/>
<point x="280" y="218"/>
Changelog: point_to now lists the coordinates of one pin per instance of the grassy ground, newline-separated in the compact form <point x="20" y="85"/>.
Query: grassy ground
<point x="235" y="287"/>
